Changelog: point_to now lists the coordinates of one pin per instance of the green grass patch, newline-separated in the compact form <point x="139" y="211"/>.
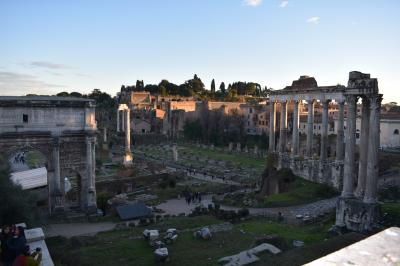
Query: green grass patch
<point x="300" y="192"/>
<point x="238" y="159"/>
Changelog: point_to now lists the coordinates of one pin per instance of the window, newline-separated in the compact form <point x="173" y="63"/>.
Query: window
<point x="396" y="132"/>
<point x="25" y="118"/>
<point x="251" y="110"/>
<point x="315" y="127"/>
<point x="304" y="126"/>
<point x="319" y="127"/>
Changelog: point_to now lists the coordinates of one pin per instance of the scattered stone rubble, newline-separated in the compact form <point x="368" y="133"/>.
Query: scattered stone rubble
<point x="248" y="256"/>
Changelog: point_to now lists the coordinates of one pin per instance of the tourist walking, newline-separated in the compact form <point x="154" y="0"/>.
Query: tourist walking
<point x="5" y="255"/>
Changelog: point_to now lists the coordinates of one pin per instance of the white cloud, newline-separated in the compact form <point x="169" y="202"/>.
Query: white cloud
<point x="313" y="20"/>
<point x="13" y="83"/>
<point x="46" y="64"/>
<point x="284" y="4"/>
<point x="252" y="2"/>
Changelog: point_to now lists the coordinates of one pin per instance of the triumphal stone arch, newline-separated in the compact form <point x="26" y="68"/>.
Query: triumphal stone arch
<point x="63" y="129"/>
<point x="357" y="208"/>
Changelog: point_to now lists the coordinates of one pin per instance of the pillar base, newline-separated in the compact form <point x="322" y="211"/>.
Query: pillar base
<point x="128" y="159"/>
<point x="356" y="215"/>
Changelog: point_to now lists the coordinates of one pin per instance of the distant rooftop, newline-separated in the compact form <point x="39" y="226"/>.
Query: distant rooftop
<point x="43" y="98"/>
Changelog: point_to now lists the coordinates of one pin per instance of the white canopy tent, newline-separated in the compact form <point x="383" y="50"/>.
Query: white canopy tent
<point x="30" y="179"/>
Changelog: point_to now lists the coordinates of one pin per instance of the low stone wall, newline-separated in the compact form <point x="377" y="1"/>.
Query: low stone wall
<point x="330" y="173"/>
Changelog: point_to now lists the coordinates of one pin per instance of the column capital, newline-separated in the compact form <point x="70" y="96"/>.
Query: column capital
<point x="351" y="98"/>
<point x="375" y="101"/>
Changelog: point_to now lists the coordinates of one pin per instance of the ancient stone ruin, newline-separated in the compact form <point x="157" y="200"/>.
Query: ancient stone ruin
<point x="63" y="131"/>
<point x="357" y="208"/>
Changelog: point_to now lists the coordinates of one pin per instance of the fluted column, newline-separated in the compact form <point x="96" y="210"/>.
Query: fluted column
<point x="310" y="128"/>
<point x="363" y="148"/>
<point x="371" y="187"/>
<point x="349" y="157"/>
<point x="295" y="136"/>
<point x="118" y="126"/>
<point x="324" y="132"/>
<point x="272" y="125"/>
<point x="283" y="128"/>
<point x="340" y="133"/>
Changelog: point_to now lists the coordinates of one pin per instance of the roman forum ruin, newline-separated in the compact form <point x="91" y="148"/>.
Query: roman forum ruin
<point x="125" y="126"/>
<point x="357" y="207"/>
<point x="63" y="130"/>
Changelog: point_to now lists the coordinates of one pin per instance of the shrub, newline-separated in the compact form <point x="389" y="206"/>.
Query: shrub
<point x="243" y="212"/>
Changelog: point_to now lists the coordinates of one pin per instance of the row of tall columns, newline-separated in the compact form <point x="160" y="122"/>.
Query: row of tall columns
<point x="369" y="145"/>
<point x="310" y="129"/>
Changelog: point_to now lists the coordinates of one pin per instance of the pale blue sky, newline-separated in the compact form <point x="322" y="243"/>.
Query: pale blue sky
<point x="50" y="46"/>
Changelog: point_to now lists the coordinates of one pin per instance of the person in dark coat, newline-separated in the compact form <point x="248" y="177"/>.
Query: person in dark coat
<point x="5" y="255"/>
<point x="16" y="244"/>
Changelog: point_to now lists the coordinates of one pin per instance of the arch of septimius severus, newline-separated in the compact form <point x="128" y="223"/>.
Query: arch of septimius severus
<point x="357" y="207"/>
<point x="63" y="130"/>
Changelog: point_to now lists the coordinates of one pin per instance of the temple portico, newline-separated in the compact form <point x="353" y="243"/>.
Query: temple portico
<point x="341" y="170"/>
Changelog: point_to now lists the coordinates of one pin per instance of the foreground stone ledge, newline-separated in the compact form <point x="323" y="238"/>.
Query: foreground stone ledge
<point x="380" y="249"/>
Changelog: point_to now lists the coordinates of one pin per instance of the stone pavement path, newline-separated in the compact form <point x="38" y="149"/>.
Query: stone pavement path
<point x="177" y="206"/>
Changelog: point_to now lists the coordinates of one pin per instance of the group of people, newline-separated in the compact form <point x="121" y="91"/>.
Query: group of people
<point x="13" y="248"/>
<point x="192" y="197"/>
<point x="20" y="158"/>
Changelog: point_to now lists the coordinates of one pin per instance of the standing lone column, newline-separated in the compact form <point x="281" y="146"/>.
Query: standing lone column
<point x="324" y="132"/>
<point x="371" y="187"/>
<point x="283" y="127"/>
<point x="118" y="127"/>
<point x="272" y="125"/>
<point x="310" y="125"/>
<point x="128" y="154"/>
<point x="340" y="133"/>
<point x="362" y="166"/>
<point x="349" y="156"/>
<point x="295" y="136"/>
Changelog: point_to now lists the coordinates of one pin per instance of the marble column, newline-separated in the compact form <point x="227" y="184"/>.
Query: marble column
<point x="349" y="157"/>
<point x="90" y="173"/>
<point x="324" y="132"/>
<point x="118" y="126"/>
<point x="128" y="154"/>
<point x="272" y="125"/>
<point x="340" y="133"/>
<point x="123" y="118"/>
<point x="310" y="128"/>
<point x="295" y="136"/>
<point x="104" y="134"/>
<point x="371" y="187"/>
<point x="363" y="148"/>
<point x="57" y="174"/>
<point x="283" y="128"/>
